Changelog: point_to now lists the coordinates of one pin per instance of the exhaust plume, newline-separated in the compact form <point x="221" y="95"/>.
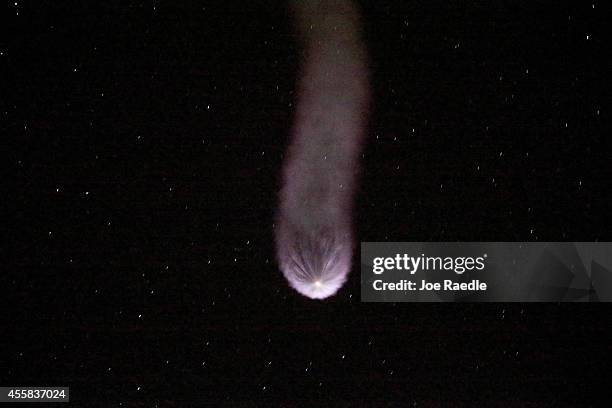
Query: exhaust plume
<point x="314" y="233"/>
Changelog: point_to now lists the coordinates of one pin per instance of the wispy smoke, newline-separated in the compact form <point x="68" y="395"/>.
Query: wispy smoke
<point x="314" y="222"/>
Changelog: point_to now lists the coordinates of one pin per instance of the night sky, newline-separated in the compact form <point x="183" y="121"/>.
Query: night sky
<point x="144" y="143"/>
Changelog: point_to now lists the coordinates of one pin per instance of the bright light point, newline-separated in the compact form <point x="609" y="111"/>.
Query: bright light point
<point x="315" y="265"/>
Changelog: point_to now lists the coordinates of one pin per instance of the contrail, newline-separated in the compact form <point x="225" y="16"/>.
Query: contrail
<point x="314" y="235"/>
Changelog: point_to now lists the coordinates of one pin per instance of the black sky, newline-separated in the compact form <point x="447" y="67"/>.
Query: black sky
<point x="144" y="142"/>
